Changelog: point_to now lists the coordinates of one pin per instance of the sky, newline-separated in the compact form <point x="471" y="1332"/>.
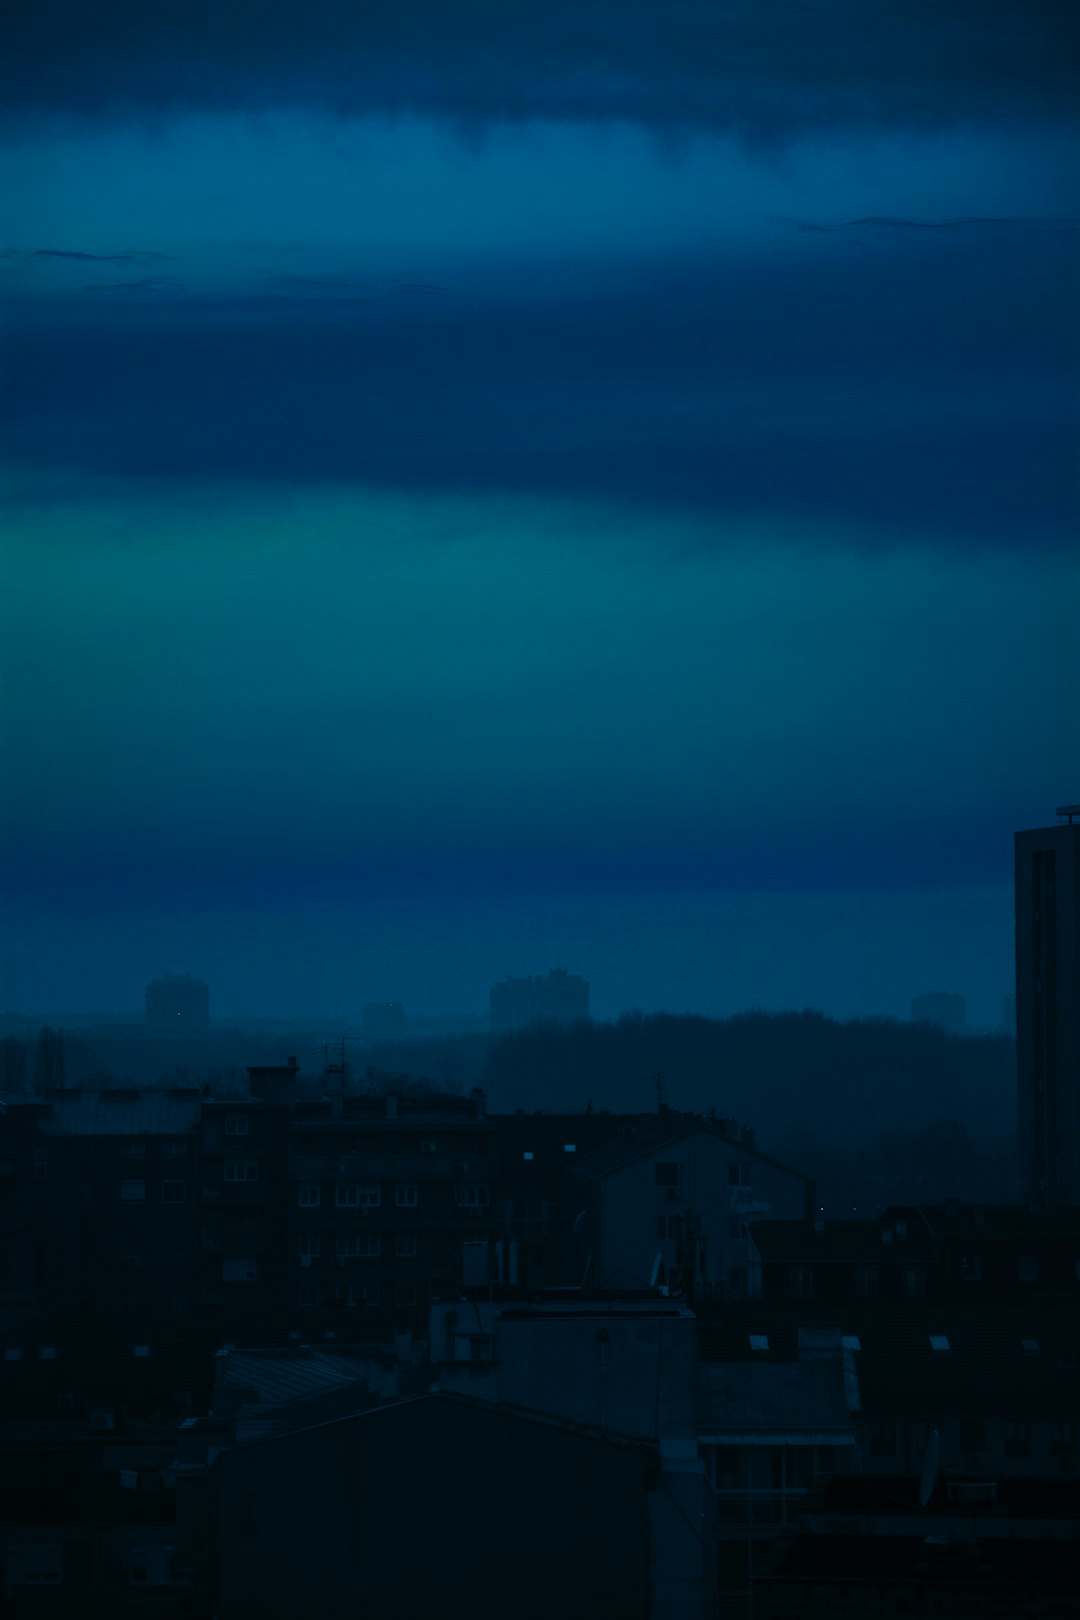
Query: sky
<point x="488" y="487"/>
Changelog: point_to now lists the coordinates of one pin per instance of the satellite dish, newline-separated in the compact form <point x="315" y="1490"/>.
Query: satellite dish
<point x="931" y="1463"/>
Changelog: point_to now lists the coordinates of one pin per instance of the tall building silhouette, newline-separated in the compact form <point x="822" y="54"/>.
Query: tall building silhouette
<point x="1047" y="871"/>
<point x="178" y="1004"/>
<point x="558" y="998"/>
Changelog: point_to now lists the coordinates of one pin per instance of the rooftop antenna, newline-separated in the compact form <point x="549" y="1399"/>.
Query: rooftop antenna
<point x="931" y="1464"/>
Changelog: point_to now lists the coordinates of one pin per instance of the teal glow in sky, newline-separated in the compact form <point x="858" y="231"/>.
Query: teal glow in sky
<point x="428" y="488"/>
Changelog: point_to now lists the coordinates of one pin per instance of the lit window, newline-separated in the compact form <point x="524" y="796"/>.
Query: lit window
<point x="133" y="1192"/>
<point x="528" y="1155"/>
<point x="759" y="1341"/>
<point x="142" y="1350"/>
<point x="569" y="1147"/>
<point x="939" y="1341"/>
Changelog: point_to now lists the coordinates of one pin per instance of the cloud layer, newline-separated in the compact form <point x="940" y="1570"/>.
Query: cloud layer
<point x="766" y="71"/>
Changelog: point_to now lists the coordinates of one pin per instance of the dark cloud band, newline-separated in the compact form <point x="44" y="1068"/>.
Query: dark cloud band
<point x="763" y="69"/>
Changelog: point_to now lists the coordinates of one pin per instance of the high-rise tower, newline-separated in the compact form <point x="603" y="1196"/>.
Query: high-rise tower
<point x="1048" y="1008"/>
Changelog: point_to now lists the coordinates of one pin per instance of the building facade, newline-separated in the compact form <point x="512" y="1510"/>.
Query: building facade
<point x="1047" y="883"/>
<point x="557" y="998"/>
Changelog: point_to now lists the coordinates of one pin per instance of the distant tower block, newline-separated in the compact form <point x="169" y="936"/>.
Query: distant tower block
<point x="384" y="1020"/>
<point x="558" y="998"/>
<point x="1047" y="870"/>
<point x="178" y="1004"/>
<point x="947" y="1012"/>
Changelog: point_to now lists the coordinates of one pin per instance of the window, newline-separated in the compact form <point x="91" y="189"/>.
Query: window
<point x="901" y="1229"/>
<point x="1062" y="1438"/>
<point x="405" y="1195"/>
<point x="41" y="1162"/>
<point x="939" y="1341"/>
<point x="882" y="1436"/>
<point x="241" y="1169"/>
<point x="737" y="1281"/>
<point x="307" y="1294"/>
<point x="405" y="1245"/>
<point x="47" y="1352"/>
<point x="667" y="1175"/>
<point x="528" y="1155"/>
<point x="173" y="1192"/>
<point x="921" y="1430"/>
<point x="914" y="1282"/>
<point x="308" y="1245"/>
<point x="735" y="1226"/>
<point x="351" y="1195"/>
<point x="174" y="1149"/>
<point x="357" y="1245"/>
<point x="801" y="1281"/>
<point x="237" y="1125"/>
<point x="132" y="1150"/>
<point x="472" y="1196"/>
<point x="569" y="1147"/>
<point x="149" y="1566"/>
<point x="759" y="1341"/>
<point x="12" y="1353"/>
<point x="405" y="1294"/>
<point x="309" y="1195"/>
<point x="238" y="1270"/>
<point x="349" y="1294"/>
<point x="1029" y="1268"/>
<point x="1031" y="1346"/>
<point x="1018" y="1437"/>
<point x="141" y="1351"/>
<point x="133" y="1192"/>
<point x="972" y="1434"/>
<point x="667" y="1226"/>
<point x="866" y="1282"/>
<point x="739" y="1175"/>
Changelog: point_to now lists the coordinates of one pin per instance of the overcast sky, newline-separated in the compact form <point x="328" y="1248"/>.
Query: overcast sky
<point x="488" y="483"/>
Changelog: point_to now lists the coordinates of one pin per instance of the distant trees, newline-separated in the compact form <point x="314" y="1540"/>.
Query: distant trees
<point x="14" y="1066"/>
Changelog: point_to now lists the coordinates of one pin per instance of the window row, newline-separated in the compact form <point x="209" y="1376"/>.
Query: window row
<point x="1014" y="1435"/>
<point x="354" y="1245"/>
<point x="171" y="1148"/>
<point x="172" y="1192"/>
<point x="368" y="1195"/>
<point x="353" y="1294"/>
